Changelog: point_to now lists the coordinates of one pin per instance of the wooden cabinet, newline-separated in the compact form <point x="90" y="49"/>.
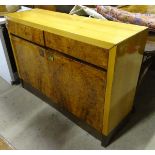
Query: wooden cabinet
<point x="87" y="67"/>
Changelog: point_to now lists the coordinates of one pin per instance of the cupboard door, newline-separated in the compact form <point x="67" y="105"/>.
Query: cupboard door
<point x="76" y="87"/>
<point x="79" y="87"/>
<point x="31" y="62"/>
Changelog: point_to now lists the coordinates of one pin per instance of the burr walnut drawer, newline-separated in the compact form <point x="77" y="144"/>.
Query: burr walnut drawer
<point x="83" y="51"/>
<point x="26" y="32"/>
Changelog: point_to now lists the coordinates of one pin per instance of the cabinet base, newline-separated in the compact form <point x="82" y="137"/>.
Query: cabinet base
<point x="106" y="140"/>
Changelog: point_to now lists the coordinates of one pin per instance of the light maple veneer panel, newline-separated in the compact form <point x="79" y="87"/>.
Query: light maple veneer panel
<point x="124" y="71"/>
<point x="101" y="33"/>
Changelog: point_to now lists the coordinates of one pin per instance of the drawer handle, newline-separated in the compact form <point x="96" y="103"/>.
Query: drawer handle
<point x="41" y="51"/>
<point x="51" y="58"/>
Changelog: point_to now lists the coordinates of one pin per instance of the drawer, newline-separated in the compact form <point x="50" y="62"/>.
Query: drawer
<point x="89" y="53"/>
<point x="26" y="32"/>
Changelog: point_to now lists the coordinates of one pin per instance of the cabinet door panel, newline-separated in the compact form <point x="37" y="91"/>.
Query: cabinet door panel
<point x="31" y="62"/>
<point x="81" y="88"/>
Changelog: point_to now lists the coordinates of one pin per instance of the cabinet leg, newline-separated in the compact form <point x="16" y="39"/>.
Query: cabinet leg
<point x="106" y="140"/>
<point x="15" y="82"/>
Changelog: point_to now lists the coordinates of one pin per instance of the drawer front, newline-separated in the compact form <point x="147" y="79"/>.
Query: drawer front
<point x="91" y="54"/>
<point x="80" y="87"/>
<point x="26" y="32"/>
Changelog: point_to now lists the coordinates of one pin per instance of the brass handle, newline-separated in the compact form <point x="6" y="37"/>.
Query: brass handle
<point x="51" y="58"/>
<point x="42" y="51"/>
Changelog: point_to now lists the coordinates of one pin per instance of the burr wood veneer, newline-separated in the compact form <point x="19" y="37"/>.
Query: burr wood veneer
<point x="87" y="67"/>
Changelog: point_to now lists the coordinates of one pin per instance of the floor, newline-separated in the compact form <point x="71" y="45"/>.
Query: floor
<point x="29" y="123"/>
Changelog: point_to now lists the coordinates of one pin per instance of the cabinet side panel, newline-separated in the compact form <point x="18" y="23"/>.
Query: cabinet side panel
<point x="110" y="76"/>
<point x="126" y="72"/>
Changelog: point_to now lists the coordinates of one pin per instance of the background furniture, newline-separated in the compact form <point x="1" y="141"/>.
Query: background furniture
<point x="149" y="54"/>
<point x="4" y="9"/>
<point x="8" y="68"/>
<point x="58" y="8"/>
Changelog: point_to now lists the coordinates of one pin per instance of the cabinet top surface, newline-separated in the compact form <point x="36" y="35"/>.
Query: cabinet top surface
<point x="102" y="33"/>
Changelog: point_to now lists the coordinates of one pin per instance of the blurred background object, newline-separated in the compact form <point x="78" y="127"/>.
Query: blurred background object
<point x="86" y="11"/>
<point x="138" y="8"/>
<point x="46" y="7"/>
<point x="64" y="8"/>
<point x="4" y="9"/>
<point x="8" y="70"/>
<point x="58" y="8"/>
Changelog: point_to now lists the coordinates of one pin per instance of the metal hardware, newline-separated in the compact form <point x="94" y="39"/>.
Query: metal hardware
<point x="41" y="51"/>
<point x="51" y="58"/>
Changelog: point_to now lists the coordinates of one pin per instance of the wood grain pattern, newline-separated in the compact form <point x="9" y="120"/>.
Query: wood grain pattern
<point x="86" y="52"/>
<point x="75" y="86"/>
<point x="125" y="70"/>
<point x="101" y="33"/>
<point x="79" y="87"/>
<point x="26" y="32"/>
<point x="30" y="62"/>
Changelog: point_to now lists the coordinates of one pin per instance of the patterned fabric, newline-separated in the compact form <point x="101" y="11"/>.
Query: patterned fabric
<point x="114" y="14"/>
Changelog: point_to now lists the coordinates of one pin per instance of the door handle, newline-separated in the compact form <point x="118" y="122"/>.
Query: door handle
<point x="42" y="52"/>
<point x="51" y="58"/>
